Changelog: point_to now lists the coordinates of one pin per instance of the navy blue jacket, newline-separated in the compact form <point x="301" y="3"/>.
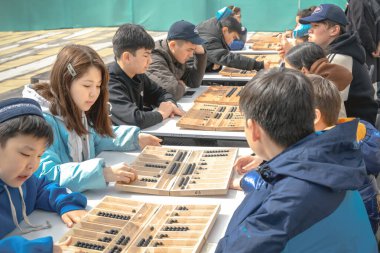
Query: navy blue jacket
<point x="309" y="203"/>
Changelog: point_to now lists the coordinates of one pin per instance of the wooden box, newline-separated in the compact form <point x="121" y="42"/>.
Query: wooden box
<point x="182" y="172"/>
<point x="224" y="95"/>
<point x="122" y="225"/>
<point x="213" y="117"/>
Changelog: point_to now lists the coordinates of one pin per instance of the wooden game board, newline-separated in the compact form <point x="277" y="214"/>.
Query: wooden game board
<point x="225" y="95"/>
<point x="122" y="225"/>
<point x="213" y="117"/>
<point x="274" y="60"/>
<point x="266" y="37"/>
<point x="182" y="172"/>
<point x="264" y="41"/>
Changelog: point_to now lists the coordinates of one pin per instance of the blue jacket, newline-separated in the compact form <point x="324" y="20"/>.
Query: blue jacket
<point x="58" y="164"/>
<point x="308" y="203"/>
<point x="39" y="193"/>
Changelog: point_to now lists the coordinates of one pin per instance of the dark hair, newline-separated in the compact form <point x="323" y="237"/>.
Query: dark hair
<point x="26" y="125"/>
<point x="131" y="37"/>
<point x="330" y="24"/>
<point x="327" y="98"/>
<point x="57" y="92"/>
<point x="306" y="12"/>
<point x="304" y="55"/>
<point x="232" y="24"/>
<point x="281" y="101"/>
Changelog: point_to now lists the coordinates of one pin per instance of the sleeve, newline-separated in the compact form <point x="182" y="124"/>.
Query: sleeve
<point x="370" y="147"/>
<point x="274" y="217"/>
<point x="358" y="16"/>
<point x="126" y="112"/>
<point x="251" y="181"/>
<point x="160" y="73"/>
<point x="75" y="176"/>
<point x="217" y="54"/>
<point x="126" y="139"/>
<point x="155" y="94"/>
<point x="51" y="197"/>
<point x="193" y="75"/>
<point x="18" y="244"/>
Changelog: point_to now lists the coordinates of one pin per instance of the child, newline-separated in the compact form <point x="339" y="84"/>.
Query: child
<point x="327" y="109"/>
<point x="308" y="203"/>
<point x="218" y="35"/>
<point x="75" y="105"/>
<point x="132" y="94"/>
<point x="328" y="23"/>
<point x="171" y="67"/>
<point x="301" y="31"/>
<point x="24" y="135"/>
<point x="309" y="58"/>
<point x="235" y="12"/>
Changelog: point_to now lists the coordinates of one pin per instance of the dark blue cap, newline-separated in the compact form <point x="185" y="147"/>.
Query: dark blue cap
<point x="16" y="107"/>
<point x="183" y="30"/>
<point x="329" y="12"/>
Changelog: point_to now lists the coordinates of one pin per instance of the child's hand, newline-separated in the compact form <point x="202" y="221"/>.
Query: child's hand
<point x="267" y="64"/>
<point x="148" y="139"/>
<point x="246" y="163"/>
<point x="63" y="247"/>
<point x="72" y="217"/>
<point x="120" y="172"/>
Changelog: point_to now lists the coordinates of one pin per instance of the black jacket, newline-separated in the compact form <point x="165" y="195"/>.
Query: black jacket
<point x="131" y="97"/>
<point x="360" y="102"/>
<point x="364" y="17"/>
<point x="218" y="51"/>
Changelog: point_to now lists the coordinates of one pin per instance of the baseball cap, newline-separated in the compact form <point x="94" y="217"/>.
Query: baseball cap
<point x="323" y="12"/>
<point x="183" y="30"/>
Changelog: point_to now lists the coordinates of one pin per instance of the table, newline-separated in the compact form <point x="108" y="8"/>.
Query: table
<point x="228" y="204"/>
<point x="216" y="77"/>
<point x="168" y="128"/>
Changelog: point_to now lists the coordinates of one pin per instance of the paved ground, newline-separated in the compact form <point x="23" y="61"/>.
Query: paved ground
<point x="26" y="54"/>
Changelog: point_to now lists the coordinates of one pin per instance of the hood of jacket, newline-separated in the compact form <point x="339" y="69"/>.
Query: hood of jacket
<point x="79" y="148"/>
<point x="335" y="73"/>
<point x="348" y="44"/>
<point x="29" y="92"/>
<point x="331" y="159"/>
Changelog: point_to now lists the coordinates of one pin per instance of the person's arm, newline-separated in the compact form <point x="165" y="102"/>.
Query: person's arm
<point x="358" y="18"/>
<point x="217" y="54"/>
<point x="370" y="147"/>
<point x="264" y="215"/>
<point x="126" y="112"/>
<point x="160" y="73"/>
<point x="126" y="139"/>
<point x="155" y="94"/>
<point x="73" y="175"/>
<point x="51" y="197"/>
<point x="18" y="244"/>
<point x="193" y="75"/>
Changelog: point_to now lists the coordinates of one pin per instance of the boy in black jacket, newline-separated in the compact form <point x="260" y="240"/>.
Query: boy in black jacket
<point x="328" y="23"/>
<point x="132" y="94"/>
<point x="218" y="35"/>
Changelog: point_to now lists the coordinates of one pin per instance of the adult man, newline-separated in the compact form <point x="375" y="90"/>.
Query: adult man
<point x="169" y="68"/>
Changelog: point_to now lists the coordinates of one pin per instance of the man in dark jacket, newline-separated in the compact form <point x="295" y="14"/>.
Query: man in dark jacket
<point x="309" y="202"/>
<point x="218" y="35"/>
<point x="364" y="17"/>
<point x="328" y="23"/>
<point x="169" y="68"/>
<point x="132" y="94"/>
